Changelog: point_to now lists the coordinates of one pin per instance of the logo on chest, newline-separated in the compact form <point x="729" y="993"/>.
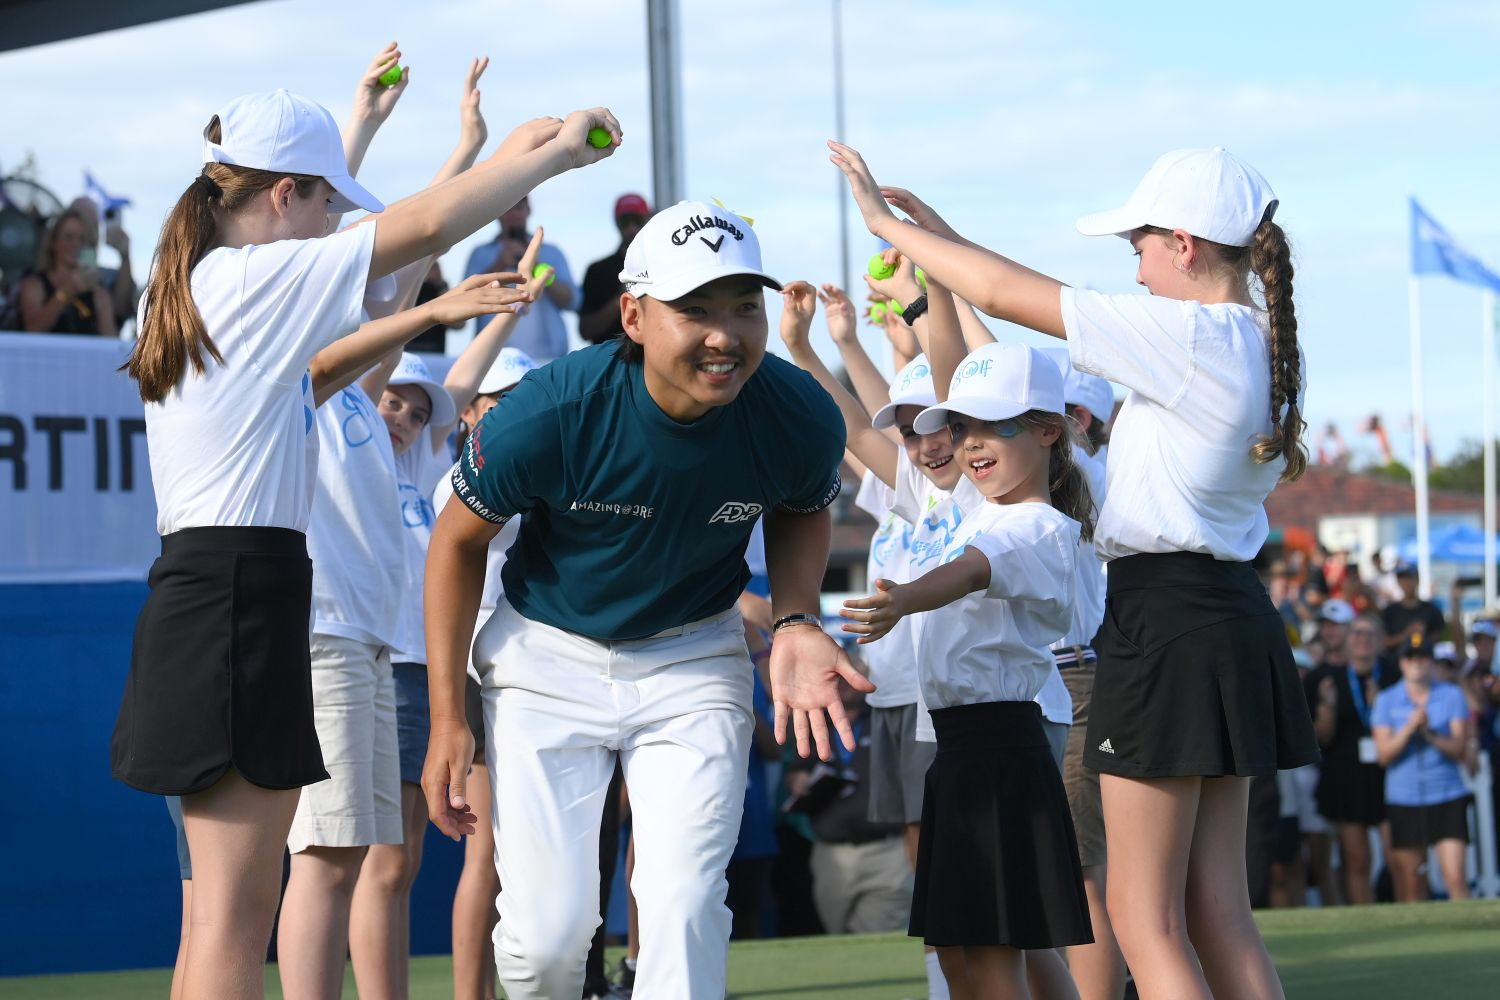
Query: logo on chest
<point x="736" y="511"/>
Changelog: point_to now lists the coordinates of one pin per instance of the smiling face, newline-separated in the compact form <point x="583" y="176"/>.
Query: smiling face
<point x="406" y="410"/>
<point x="1007" y="460"/>
<point x="699" y="350"/>
<point x="932" y="453"/>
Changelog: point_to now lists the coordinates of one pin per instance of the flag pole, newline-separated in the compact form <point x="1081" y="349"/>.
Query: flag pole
<point x="1419" y="444"/>
<point x="1488" y="340"/>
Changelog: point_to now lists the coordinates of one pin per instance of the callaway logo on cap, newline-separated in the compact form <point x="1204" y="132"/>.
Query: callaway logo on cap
<point x="687" y="246"/>
<point x="283" y="132"/>
<point x="997" y="382"/>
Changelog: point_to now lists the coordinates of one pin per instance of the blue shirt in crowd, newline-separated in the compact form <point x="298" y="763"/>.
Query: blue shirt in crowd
<point x="540" y="332"/>
<point x="1421" y="776"/>
<point x="635" y="523"/>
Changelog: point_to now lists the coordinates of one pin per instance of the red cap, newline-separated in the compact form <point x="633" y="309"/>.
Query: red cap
<point x="631" y="204"/>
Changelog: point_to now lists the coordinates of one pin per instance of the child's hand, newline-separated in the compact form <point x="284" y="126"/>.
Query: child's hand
<point x="472" y="131"/>
<point x="839" y="312"/>
<point x="902" y="337"/>
<point x="901" y="286"/>
<point x="920" y="212"/>
<point x="799" y="301"/>
<point x="373" y="100"/>
<point x="527" y="136"/>
<point x="479" y="295"/>
<point x="534" y="282"/>
<point x="573" y="137"/>
<point x="873" y="617"/>
<point x="877" y="214"/>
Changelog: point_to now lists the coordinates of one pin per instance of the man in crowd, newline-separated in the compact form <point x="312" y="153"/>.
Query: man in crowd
<point x="599" y="316"/>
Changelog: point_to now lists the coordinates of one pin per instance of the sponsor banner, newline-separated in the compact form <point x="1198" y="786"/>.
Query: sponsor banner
<point x="75" y="484"/>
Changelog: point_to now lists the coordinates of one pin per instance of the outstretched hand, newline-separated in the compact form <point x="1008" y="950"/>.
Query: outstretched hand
<point x="527" y="136"/>
<point x="921" y="214"/>
<point x="534" y="282"/>
<point x="799" y="301"/>
<point x="472" y="130"/>
<point x="872" y="617"/>
<point x="877" y="214"/>
<point x="805" y="669"/>
<point x="373" y="100"/>
<point x="573" y="137"/>
<point x="839" y="312"/>
<point x="478" y="295"/>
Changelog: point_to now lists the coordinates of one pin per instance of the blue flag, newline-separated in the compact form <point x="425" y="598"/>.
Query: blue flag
<point x="95" y="192"/>
<point x="1433" y="251"/>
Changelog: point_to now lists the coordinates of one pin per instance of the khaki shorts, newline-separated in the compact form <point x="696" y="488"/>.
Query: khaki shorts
<point x="354" y="707"/>
<point x="1082" y="782"/>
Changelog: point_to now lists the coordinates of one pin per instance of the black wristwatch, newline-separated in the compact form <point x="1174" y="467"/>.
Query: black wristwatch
<point x="915" y="310"/>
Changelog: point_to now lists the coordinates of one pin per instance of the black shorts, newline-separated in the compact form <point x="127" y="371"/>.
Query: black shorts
<point x="1195" y="676"/>
<point x="220" y="670"/>
<point x="1415" y="828"/>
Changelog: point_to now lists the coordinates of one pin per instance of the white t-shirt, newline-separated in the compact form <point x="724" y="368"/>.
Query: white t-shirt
<point x="494" y="589"/>
<point x="235" y="446"/>
<point x="418" y="470"/>
<point x="995" y="645"/>
<point x="354" y="535"/>
<point x="1180" y="475"/>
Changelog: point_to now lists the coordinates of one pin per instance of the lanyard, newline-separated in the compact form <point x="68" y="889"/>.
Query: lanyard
<point x="1357" y="692"/>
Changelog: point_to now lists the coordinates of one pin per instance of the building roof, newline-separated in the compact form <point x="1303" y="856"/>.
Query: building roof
<point x="1326" y="490"/>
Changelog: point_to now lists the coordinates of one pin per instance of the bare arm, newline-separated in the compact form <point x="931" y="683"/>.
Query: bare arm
<point x="871" y="447"/>
<point x="873" y="617"/>
<point x="943" y="338"/>
<point x="373" y="104"/>
<point x="869" y="385"/>
<point x="472" y="131"/>
<point x="976" y="334"/>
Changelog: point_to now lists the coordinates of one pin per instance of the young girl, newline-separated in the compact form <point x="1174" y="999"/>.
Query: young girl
<point x="997" y="869"/>
<point x="218" y="704"/>
<point x="1196" y="689"/>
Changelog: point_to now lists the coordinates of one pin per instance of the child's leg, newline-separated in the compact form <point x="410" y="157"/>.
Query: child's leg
<point x="1451" y="860"/>
<point x="1047" y="975"/>
<point x="1098" y="969"/>
<point x="997" y="973"/>
<point x="1149" y="823"/>
<point x="1228" y="943"/>
<point x="179" y="970"/>
<point x="313" y="935"/>
<point x="380" y="917"/>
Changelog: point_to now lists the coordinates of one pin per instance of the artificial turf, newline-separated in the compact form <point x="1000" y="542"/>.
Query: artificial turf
<point x="1441" y="950"/>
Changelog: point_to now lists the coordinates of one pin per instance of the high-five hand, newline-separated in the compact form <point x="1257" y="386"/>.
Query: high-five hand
<point x="805" y="669"/>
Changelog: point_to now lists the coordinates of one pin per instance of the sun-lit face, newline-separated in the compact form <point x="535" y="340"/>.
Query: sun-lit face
<point x="931" y="453"/>
<point x="406" y="410"/>
<point x="699" y="350"/>
<point x="295" y="217"/>
<point x="1007" y="460"/>
<point x="1158" y="259"/>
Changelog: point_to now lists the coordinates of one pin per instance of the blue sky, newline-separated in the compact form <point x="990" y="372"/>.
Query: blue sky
<point x="1011" y="119"/>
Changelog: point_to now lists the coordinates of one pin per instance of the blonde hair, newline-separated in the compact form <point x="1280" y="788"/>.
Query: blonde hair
<point x="172" y="332"/>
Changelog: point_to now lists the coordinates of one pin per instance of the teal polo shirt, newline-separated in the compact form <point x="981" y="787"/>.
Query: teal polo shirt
<point x="632" y="522"/>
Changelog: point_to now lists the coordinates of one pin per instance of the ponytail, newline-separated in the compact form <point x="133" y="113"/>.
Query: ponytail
<point x="1068" y="486"/>
<point x="172" y="334"/>
<point x="1271" y="260"/>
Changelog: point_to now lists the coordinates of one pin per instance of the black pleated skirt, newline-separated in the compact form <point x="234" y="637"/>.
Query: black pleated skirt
<point x="998" y="861"/>
<point x="220" y="673"/>
<point x="1195" y="675"/>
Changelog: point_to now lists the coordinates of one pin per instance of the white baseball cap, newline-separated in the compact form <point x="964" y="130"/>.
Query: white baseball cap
<point x="687" y="246"/>
<point x="1206" y="192"/>
<point x="1081" y="388"/>
<point x="912" y="387"/>
<point x="1337" y="611"/>
<point x="997" y="382"/>
<point x="413" y="371"/>
<point x="508" y="369"/>
<point x="283" y="132"/>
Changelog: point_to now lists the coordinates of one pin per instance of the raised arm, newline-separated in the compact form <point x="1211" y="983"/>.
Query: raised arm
<point x="976" y="334"/>
<point x="472" y="131"/>
<point x="373" y="104"/>
<point x="943" y="339"/>
<point x="869" y="385"/>
<point x="994" y="284"/>
<point x="872" y="617"/>
<point x="441" y="216"/>
<point x="874" y="449"/>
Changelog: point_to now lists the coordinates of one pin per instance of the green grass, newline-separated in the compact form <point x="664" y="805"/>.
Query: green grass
<point x="1427" y="950"/>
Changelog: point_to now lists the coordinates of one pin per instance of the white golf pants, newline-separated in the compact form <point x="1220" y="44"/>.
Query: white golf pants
<point x="558" y="709"/>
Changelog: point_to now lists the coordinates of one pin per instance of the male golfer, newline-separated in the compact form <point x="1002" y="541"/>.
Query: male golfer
<point x="638" y="468"/>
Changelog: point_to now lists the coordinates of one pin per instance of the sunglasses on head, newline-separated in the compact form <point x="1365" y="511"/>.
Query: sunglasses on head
<point x="1006" y="429"/>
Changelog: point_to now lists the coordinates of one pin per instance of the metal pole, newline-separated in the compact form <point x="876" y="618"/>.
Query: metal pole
<point x="841" y="186"/>
<point x="1419" y="444"/>
<point x="1488" y="342"/>
<point x="667" y="175"/>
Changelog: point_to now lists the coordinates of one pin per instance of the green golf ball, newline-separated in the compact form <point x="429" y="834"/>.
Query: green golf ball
<point x="879" y="269"/>
<point x="877" y="313"/>
<point x="599" y="138"/>
<point x="390" y="77"/>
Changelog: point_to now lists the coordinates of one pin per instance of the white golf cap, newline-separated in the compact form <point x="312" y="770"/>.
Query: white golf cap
<point x="1082" y="389"/>
<point x="687" y="246"/>
<point x="413" y="371"/>
<point x="290" y="134"/>
<point x="1206" y="192"/>
<point x="912" y="387"/>
<point x="507" y="370"/>
<point x="997" y="382"/>
<point x="1337" y="611"/>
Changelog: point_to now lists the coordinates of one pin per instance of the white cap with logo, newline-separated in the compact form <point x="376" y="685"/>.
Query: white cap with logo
<point x="280" y="131"/>
<point x="997" y="382"/>
<point x="509" y="368"/>
<point x="1082" y="389"/>
<point x="414" y="371"/>
<point x="687" y="246"/>
<point x="1206" y="192"/>
<point x="912" y="387"/>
